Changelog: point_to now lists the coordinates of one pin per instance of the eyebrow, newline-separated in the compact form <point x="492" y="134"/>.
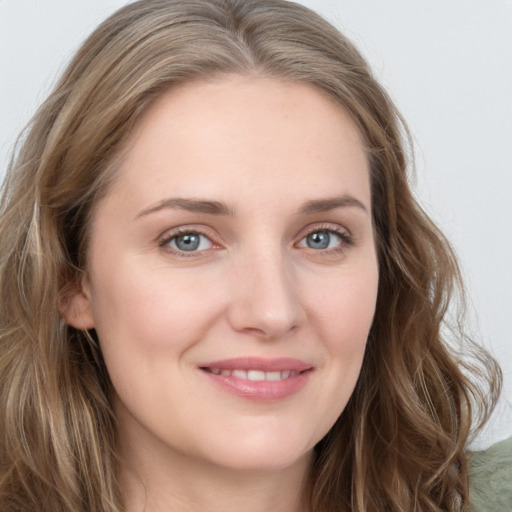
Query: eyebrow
<point x="324" y="205"/>
<point x="190" y="205"/>
<point x="219" y="208"/>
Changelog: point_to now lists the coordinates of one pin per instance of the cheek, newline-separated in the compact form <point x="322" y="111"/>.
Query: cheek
<point x="341" y="316"/>
<point x="346" y="309"/>
<point x="344" y="315"/>
<point x="147" y="322"/>
<point x="148" y="308"/>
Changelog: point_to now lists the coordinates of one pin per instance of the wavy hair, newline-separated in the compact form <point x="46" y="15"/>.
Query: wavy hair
<point x="400" y="443"/>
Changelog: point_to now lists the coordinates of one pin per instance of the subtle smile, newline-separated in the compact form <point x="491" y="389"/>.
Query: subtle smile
<point x="257" y="379"/>
<point x="254" y="375"/>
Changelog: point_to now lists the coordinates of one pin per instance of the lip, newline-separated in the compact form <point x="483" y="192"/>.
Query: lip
<point x="264" y="390"/>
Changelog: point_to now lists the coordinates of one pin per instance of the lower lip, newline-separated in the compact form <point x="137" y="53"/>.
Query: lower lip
<point x="263" y="390"/>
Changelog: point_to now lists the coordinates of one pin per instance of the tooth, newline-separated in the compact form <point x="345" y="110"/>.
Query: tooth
<point x="255" y="375"/>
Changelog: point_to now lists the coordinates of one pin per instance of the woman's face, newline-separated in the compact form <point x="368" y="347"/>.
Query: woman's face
<point x="232" y="274"/>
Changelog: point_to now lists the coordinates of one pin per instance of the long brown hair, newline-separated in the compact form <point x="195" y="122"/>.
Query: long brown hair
<point x="400" y="443"/>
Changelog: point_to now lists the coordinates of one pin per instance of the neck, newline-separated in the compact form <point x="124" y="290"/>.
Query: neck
<point x="188" y="485"/>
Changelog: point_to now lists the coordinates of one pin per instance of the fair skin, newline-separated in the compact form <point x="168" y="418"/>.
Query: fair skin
<point x="232" y="281"/>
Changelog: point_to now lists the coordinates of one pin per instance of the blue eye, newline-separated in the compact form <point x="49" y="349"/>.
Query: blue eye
<point x="189" y="242"/>
<point x="321" y="240"/>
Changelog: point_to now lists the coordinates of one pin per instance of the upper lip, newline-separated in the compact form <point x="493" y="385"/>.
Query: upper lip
<point x="280" y="364"/>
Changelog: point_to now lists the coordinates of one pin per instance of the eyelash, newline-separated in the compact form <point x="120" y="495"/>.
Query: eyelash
<point x="346" y="240"/>
<point x="169" y="237"/>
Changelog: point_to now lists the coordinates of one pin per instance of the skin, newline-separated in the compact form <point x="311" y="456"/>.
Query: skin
<point x="254" y="287"/>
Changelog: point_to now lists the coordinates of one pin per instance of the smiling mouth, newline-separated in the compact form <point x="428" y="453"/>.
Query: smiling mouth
<point x="259" y="379"/>
<point x="254" y="375"/>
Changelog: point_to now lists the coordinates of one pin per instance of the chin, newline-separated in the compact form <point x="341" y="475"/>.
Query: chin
<point x="261" y="453"/>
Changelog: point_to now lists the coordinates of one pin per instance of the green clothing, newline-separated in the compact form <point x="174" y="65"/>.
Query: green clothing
<point x="491" y="478"/>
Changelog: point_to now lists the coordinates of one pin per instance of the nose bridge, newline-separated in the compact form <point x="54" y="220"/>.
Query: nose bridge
<point x="265" y="299"/>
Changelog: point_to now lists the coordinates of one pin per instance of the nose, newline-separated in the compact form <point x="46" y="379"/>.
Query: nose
<point x="265" y="302"/>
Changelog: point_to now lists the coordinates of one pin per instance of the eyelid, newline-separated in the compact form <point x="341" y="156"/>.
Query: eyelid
<point x="164" y="239"/>
<point x="345" y="235"/>
<point x="325" y="226"/>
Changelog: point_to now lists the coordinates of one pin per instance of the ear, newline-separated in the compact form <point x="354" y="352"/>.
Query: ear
<point x="76" y="306"/>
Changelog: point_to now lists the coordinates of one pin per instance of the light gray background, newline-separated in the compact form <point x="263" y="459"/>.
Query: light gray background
<point x="447" y="64"/>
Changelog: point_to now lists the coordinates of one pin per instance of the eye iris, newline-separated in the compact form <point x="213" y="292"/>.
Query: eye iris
<point x="188" y="242"/>
<point x="318" y="240"/>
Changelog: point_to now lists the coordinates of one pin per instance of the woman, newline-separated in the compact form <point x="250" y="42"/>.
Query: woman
<point x="218" y="290"/>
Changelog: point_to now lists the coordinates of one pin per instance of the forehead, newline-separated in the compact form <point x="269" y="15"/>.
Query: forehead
<point x="235" y="135"/>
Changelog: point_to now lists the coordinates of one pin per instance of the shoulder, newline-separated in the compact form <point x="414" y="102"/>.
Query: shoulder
<point x="491" y="478"/>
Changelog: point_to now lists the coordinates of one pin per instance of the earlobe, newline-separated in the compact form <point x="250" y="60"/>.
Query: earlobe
<point x="76" y="306"/>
